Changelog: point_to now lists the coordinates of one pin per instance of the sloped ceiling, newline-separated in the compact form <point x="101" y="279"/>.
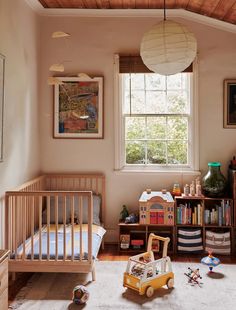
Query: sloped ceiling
<point x="223" y="10"/>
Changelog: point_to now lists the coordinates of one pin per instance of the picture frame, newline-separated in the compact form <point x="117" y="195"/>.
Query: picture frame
<point x="230" y="103"/>
<point x="78" y="108"/>
<point x="2" y="80"/>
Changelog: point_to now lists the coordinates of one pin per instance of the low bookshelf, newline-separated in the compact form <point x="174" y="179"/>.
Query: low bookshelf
<point x="212" y="216"/>
<point x="134" y="237"/>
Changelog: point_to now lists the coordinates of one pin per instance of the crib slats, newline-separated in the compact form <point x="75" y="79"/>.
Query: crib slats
<point x="32" y="229"/>
<point x="64" y="228"/>
<point x="72" y="201"/>
<point x="48" y="227"/>
<point x="56" y="228"/>
<point x="24" y="223"/>
<point x="90" y="212"/>
<point x="40" y="227"/>
<point x="80" y="228"/>
<point x="24" y="218"/>
<point x="14" y="224"/>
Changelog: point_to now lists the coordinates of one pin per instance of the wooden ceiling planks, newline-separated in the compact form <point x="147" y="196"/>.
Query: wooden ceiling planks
<point x="103" y="4"/>
<point x="195" y="5"/>
<point x="208" y="7"/>
<point x="231" y="15"/>
<point x="223" y="8"/>
<point x="142" y="4"/>
<point x="117" y="4"/>
<point x="129" y="4"/>
<point x="182" y="4"/>
<point x="220" y="9"/>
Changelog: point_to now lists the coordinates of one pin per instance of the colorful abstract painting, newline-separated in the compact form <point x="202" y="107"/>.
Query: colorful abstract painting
<point x="78" y="108"/>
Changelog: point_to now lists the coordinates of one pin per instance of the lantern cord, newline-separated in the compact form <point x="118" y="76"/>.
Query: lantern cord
<point x="164" y="9"/>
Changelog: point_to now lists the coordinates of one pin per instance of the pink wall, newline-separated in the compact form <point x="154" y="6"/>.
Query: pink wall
<point x="19" y="44"/>
<point x="92" y="45"/>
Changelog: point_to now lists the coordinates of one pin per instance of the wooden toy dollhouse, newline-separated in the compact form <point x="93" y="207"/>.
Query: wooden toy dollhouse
<point x="156" y="208"/>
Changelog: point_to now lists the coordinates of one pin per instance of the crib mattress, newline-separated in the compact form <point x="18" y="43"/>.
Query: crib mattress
<point x="97" y="235"/>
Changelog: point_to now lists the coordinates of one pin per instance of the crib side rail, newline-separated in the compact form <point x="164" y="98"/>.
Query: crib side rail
<point x="94" y="182"/>
<point x="32" y="235"/>
<point x="36" y="184"/>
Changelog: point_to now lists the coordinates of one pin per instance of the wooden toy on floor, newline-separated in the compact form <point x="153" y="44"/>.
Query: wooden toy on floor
<point x="144" y="274"/>
<point x="193" y="276"/>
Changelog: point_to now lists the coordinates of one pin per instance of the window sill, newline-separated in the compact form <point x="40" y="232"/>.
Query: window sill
<point x="143" y="170"/>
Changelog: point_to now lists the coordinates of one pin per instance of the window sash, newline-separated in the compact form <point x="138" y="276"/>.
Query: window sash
<point x="164" y="140"/>
<point x="120" y="134"/>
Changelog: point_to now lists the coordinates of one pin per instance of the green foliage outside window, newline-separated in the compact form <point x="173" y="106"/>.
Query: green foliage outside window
<point x="156" y="117"/>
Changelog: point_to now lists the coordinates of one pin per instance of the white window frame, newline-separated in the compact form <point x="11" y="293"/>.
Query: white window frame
<point x="120" y="164"/>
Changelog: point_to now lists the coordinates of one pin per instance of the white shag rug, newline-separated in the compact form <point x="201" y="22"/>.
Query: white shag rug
<point x="53" y="291"/>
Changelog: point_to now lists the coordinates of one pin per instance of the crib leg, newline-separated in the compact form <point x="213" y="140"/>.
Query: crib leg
<point x="93" y="274"/>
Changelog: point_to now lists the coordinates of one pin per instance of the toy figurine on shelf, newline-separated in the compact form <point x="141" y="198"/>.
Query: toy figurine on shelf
<point x="132" y="218"/>
<point x="210" y="261"/>
<point x="124" y="213"/>
<point x="193" y="276"/>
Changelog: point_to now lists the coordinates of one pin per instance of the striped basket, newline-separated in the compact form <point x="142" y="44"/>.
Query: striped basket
<point x="190" y="240"/>
<point x="219" y="243"/>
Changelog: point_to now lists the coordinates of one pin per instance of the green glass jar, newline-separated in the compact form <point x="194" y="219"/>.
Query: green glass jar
<point x="214" y="183"/>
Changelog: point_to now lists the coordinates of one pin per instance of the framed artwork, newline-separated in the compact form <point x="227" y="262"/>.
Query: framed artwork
<point x="2" y="72"/>
<point x="230" y="103"/>
<point x="78" y="108"/>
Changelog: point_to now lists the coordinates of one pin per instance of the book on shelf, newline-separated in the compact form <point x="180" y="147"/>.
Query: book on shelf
<point x="187" y="214"/>
<point x="219" y="214"/>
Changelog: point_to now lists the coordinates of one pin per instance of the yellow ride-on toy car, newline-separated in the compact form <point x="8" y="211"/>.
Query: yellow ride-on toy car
<point x="144" y="274"/>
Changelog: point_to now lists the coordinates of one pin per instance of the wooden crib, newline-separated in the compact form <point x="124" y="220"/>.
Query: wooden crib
<point x="49" y="223"/>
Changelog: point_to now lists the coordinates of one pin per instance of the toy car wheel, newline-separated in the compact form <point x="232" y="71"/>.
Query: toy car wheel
<point x="170" y="283"/>
<point x="149" y="291"/>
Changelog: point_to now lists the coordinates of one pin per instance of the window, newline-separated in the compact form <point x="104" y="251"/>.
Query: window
<point x="156" y="122"/>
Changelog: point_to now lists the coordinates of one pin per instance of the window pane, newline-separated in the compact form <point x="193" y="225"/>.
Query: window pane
<point x="155" y="82"/>
<point x="137" y="81"/>
<point x="138" y="102"/>
<point x="135" y="152"/>
<point x="176" y="81"/>
<point x="134" y="128"/>
<point x="156" y="152"/>
<point x="177" y="152"/>
<point x="126" y="107"/>
<point x="177" y="102"/>
<point x="156" y="127"/>
<point x="155" y="102"/>
<point x="177" y="127"/>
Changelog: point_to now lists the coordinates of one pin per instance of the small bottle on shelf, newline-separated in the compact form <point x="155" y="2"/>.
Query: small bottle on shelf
<point x="186" y="190"/>
<point x="176" y="190"/>
<point x="198" y="188"/>
<point x="192" y="189"/>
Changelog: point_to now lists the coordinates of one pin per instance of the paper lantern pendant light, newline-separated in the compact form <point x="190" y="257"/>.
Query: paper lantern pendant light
<point x="168" y="48"/>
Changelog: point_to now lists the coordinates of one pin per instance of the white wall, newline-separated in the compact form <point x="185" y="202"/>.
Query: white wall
<point x="91" y="48"/>
<point x="19" y="44"/>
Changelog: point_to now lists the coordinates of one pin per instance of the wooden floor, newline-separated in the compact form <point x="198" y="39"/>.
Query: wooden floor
<point x="111" y="253"/>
